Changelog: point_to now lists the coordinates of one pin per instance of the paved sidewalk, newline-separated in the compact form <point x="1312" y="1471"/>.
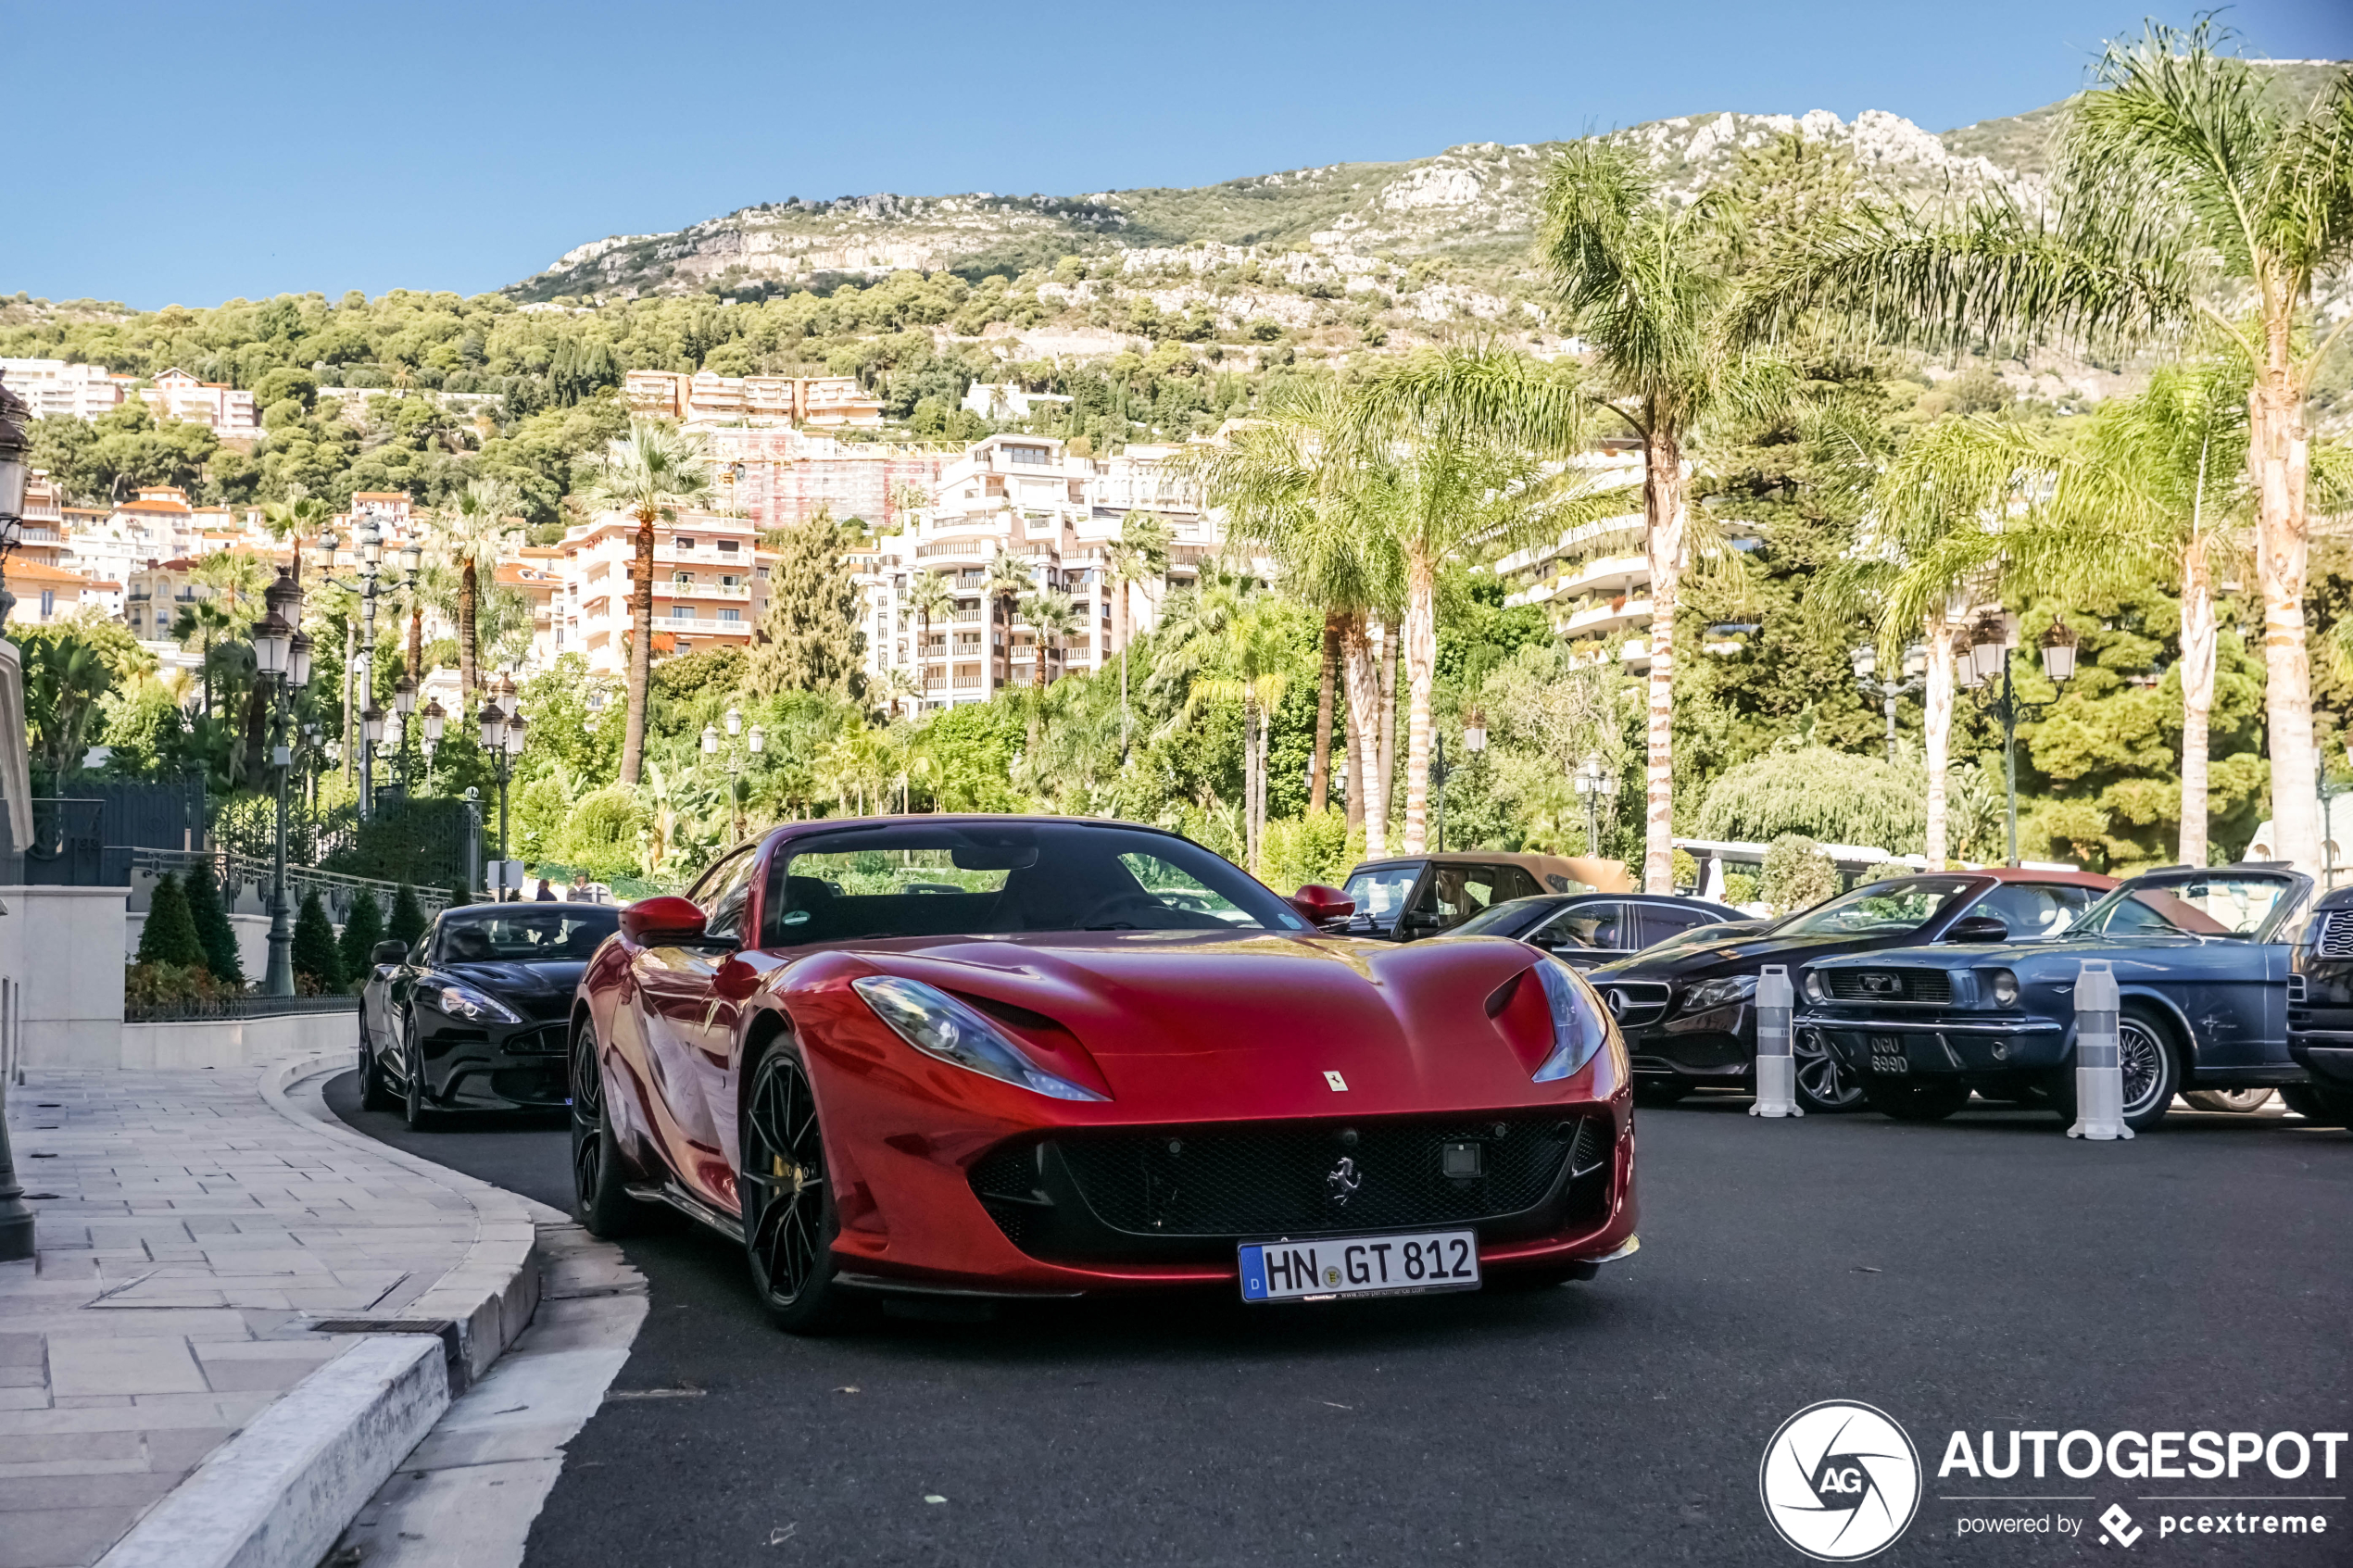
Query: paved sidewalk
<point x="189" y="1233"/>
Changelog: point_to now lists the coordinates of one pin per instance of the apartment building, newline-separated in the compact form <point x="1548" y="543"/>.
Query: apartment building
<point x="60" y="391"/>
<point x="45" y="592"/>
<point x="222" y="408"/>
<point x="709" y="398"/>
<point x="1026" y="500"/>
<point x="781" y="477"/>
<point x="42" y="540"/>
<point x="711" y="587"/>
<point x="1006" y="402"/>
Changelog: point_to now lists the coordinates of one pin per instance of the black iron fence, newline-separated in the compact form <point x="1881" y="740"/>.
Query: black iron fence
<point x="215" y="1009"/>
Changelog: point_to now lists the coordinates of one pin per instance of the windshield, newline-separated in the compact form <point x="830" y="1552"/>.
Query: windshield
<point x="1501" y="920"/>
<point x="528" y="935"/>
<point x="2236" y="907"/>
<point x="1381" y="891"/>
<point x="1880" y="909"/>
<point x="988" y="880"/>
<point x="1702" y="935"/>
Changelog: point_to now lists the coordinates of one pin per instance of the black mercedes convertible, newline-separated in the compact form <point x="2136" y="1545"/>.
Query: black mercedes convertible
<point x="475" y="1017"/>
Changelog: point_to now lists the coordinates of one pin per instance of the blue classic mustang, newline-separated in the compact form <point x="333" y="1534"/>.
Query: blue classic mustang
<point x="2201" y="961"/>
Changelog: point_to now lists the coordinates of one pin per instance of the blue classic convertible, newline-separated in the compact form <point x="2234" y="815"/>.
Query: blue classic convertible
<point x="2201" y="960"/>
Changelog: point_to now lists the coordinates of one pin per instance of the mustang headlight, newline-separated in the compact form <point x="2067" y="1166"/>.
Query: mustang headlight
<point x="460" y="1000"/>
<point x="2002" y="985"/>
<point x="1578" y="1028"/>
<point x="1814" y="991"/>
<point x="938" y="1025"/>
<point x="1717" y="993"/>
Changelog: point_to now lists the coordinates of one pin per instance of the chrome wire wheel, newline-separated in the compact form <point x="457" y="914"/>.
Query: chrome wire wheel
<point x="782" y="1186"/>
<point x="1823" y="1082"/>
<point x="2148" y="1077"/>
<point x="587" y="1114"/>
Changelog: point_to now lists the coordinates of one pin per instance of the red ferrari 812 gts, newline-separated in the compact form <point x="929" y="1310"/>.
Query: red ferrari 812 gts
<point x="1003" y="1056"/>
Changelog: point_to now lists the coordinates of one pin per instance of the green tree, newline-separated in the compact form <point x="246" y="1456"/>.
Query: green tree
<point x="813" y="640"/>
<point x="929" y="598"/>
<point x="214" y="931"/>
<point x="363" y="927"/>
<point x="408" y="918"/>
<point x="316" y="958"/>
<point x="169" y="935"/>
<point x="1007" y="580"/>
<point x="2191" y="204"/>
<point x="476" y="534"/>
<point x="1138" y="556"/>
<point x="71" y="666"/>
<point x="1796" y="874"/>
<point x="647" y="474"/>
<point x="1824" y="795"/>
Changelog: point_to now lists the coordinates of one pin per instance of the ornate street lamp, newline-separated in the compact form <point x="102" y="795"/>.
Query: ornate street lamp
<point x="1885" y="690"/>
<point x="436" y="719"/>
<point x="368" y="543"/>
<point x="1596" y="783"/>
<point x="282" y="655"/>
<point x="1998" y="633"/>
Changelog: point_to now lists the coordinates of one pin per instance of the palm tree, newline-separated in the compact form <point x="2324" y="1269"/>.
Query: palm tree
<point x="1053" y="619"/>
<point x="1646" y="283"/>
<point x="1138" y="556"/>
<point x="929" y="597"/>
<point x="897" y="688"/>
<point x="648" y="474"/>
<point x="1226" y="642"/>
<point x="1006" y="580"/>
<point x="476" y="535"/>
<point x="2190" y="204"/>
<point x="1470" y="432"/>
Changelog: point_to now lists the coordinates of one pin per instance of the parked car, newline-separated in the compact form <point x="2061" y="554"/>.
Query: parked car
<point x="473" y="1018"/>
<point x="1585" y="929"/>
<point x="1687" y="1013"/>
<point x="1055" y="1080"/>
<point x="2201" y="961"/>
<point x="1405" y="897"/>
<point x="2320" y="1013"/>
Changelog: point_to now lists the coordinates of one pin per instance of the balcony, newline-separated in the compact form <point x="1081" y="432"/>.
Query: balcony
<point x="1612" y="615"/>
<point x="702" y="591"/>
<point x="700" y="627"/>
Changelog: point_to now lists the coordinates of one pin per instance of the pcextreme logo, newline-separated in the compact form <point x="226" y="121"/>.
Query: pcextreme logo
<point x="1840" y="1481"/>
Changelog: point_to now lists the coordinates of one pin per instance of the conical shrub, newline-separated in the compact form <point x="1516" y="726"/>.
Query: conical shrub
<point x="213" y="929"/>
<point x="316" y="959"/>
<point x="170" y="935"/>
<point x="362" y="928"/>
<point x="408" y="920"/>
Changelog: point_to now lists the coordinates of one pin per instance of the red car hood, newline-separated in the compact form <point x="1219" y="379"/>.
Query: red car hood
<point x="1206" y="1025"/>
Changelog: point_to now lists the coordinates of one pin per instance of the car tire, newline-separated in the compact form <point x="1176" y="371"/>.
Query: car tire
<point x="789" y="1219"/>
<point x="2152" y="1064"/>
<point x="1824" y="1084"/>
<point x="2321" y="1104"/>
<point x="415" y="1108"/>
<point x="2239" y="1103"/>
<point x="1659" y="1093"/>
<point x="600" y="1199"/>
<point x="1905" y="1102"/>
<point x="373" y="1094"/>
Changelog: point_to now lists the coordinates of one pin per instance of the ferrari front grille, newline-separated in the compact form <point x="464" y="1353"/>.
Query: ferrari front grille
<point x="1301" y="1181"/>
<point x="1893" y="985"/>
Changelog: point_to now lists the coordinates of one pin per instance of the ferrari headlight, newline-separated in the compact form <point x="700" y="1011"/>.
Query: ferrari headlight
<point x="2002" y="985"/>
<point x="460" y="1000"/>
<point x="1718" y="993"/>
<point x="938" y="1025"/>
<point x="1578" y="1028"/>
<point x="1814" y="992"/>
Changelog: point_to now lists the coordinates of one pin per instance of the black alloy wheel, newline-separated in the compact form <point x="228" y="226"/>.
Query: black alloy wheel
<point x="600" y="1199"/>
<point x="416" y="1110"/>
<point x="789" y="1222"/>
<point x="373" y="1094"/>
<point x="1824" y="1082"/>
<point x="1928" y="1100"/>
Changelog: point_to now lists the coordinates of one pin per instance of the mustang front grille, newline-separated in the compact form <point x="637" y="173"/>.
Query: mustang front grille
<point x="1890" y="984"/>
<point x="1125" y="1193"/>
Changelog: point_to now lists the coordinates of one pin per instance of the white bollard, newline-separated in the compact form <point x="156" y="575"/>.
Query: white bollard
<point x="2099" y="1072"/>
<point x="1776" y="1069"/>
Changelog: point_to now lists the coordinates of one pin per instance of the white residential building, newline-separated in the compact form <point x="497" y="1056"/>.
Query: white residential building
<point x="1003" y="401"/>
<point x="227" y="412"/>
<point x="711" y="588"/>
<point x="59" y="389"/>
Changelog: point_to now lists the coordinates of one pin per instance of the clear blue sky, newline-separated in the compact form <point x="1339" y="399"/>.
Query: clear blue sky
<point x="175" y="152"/>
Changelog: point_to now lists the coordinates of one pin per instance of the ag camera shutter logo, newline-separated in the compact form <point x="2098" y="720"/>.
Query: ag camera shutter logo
<point x="1840" y="1481"/>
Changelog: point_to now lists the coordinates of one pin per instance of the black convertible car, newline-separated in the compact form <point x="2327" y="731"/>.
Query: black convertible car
<point x="1584" y="929"/>
<point x="475" y="1018"/>
<point x="2320" y="1013"/>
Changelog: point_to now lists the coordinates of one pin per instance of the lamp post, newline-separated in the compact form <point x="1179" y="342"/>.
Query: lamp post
<point x="1886" y="689"/>
<point x="502" y="737"/>
<point x="436" y="719"/>
<point x="282" y="655"/>
<point x="1437" y="778"/>
<point x="1989" y="656"/>
<point x="368" y="541"/>
<point x="404" y="703"/>
<point x="2327" y="793"/>
<point x="1596" y="783"/>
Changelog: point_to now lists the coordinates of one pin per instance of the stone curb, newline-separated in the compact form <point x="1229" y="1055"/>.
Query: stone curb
<point x="279" y="1493"/>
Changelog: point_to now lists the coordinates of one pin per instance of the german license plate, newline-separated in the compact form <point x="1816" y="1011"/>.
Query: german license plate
<point x="1887" y="1055"/>
<point x="1330" y="1267"/>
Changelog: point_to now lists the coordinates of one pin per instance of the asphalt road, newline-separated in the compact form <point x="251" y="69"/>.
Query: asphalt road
<point x="1982" y="1272"/>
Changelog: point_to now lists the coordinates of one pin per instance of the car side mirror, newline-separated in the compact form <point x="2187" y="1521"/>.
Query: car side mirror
<point x="1315" y="903"/>
<point x="666" y="921"/>
<point x="388" y="952"/>
<point x="1978" y="928"/>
